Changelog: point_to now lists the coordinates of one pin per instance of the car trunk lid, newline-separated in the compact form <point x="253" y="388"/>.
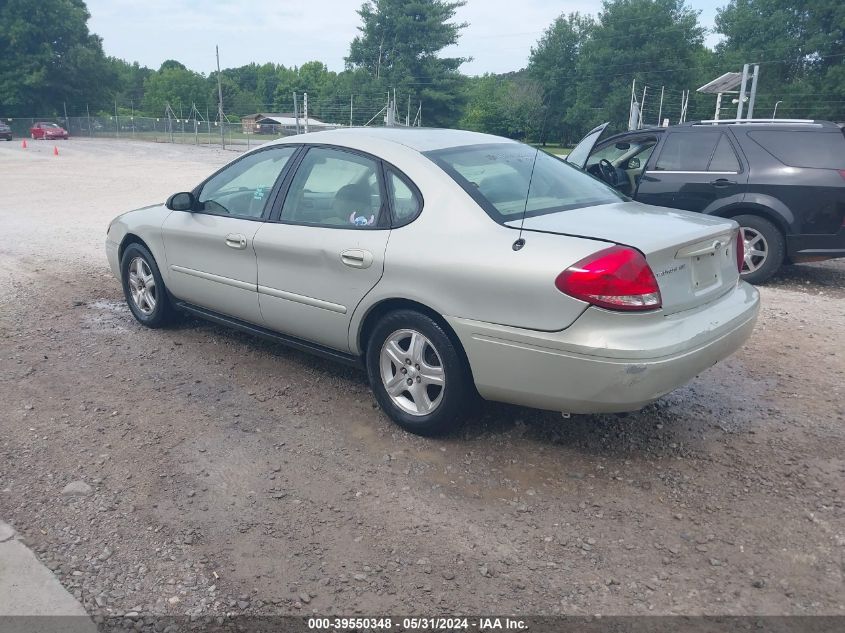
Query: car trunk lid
<point x="693" y="256"/>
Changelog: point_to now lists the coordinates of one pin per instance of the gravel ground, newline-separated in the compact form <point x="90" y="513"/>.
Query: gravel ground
<point x="223" y="474"/>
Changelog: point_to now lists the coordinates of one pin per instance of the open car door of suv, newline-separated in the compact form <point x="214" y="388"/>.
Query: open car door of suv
<point x="579" y="155"/>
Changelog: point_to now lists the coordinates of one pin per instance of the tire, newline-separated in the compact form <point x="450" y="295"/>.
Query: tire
<point x="424" y="409"/>
<point x="761" y="235"/>
<point x="148" y="299"/>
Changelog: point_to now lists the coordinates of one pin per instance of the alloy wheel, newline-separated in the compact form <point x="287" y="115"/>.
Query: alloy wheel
<point x="142" y="286"/>
<point x="756" y="249"/>
<point x="412" y="372"/>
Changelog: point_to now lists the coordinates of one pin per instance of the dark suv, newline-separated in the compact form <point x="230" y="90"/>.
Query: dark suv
<point x="782" y="181"/>
<point x="5" y="131"/>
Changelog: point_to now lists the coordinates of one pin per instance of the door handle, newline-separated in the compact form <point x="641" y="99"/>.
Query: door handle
<point x="722" y="182"/>
<point x="236" y="240"/>
<point x="357" y="258"/>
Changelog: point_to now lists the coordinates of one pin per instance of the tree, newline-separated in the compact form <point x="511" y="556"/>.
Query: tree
<point x="176" y="86"/>
<point x="553" y="65"/>
<point x="47" y="57"/>
<point x="655" y="42"/>
<point x="399" y="46"/>
<point x="507" y="105"/>
<point x="801" y="49"/>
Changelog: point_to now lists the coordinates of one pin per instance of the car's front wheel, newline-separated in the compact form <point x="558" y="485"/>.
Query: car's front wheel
<point x="144" y="288"/>
<point x="418" y="376"/>
<point x="765" y="248"/>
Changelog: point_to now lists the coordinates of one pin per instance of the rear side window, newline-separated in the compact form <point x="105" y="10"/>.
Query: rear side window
<point x="406" y="202"/>
<point x="685" y="151"/>
<point x="724" y="158"/>
<point x="823" y="150"/>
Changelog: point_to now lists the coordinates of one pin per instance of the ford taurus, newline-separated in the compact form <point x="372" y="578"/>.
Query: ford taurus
<point x="448" y="264"/>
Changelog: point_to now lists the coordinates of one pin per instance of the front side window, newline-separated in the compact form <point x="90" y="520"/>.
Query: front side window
<point x="685" y="151"/>
<point x="243" y="188"/>
<point x="498" y="176"/>
<point x="335" y="188"/>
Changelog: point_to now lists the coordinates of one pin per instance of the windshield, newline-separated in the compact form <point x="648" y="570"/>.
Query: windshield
<point x="49" y="125"/>
<point x="498" y="176"/>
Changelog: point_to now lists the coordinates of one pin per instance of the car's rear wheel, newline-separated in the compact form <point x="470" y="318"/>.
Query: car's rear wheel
<point x="765" y="248"/>
<point x="418" y="376"/>
<point x="144" y="288"/>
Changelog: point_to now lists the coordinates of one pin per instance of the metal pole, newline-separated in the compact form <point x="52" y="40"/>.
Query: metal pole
<point x="296" y="111"/>
<point x="740" y="106"/>
<point x="660" y="110"/>
<point x="718" y="106"/>
<point x="133" y="117"/>
<point x="305" y="109"/>
<point x="67" y="122"/>
<point x="775" y="111"/>
<point x="408" y="116"/>
<point x="350" y="109"/>
<point x="631" y="106"/>
<point x="88" y="114"/>
<point x="750" y="114"/>
<point x="116" y="122"/>
<point x="642" y="108"/>
<point x="220" y="99"/>
<point x="208" y="123"/>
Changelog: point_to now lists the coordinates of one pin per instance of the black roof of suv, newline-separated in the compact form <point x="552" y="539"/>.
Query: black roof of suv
<point x="782" y="180"/>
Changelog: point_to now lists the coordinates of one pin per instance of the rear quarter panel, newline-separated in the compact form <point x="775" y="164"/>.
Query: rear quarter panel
<point x="457" y="261"/>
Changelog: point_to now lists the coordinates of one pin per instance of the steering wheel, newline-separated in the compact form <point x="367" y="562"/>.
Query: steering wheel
<point x="608" y="172"/>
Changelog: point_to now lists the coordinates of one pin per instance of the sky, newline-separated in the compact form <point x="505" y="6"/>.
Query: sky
<point x="499" y="36"/>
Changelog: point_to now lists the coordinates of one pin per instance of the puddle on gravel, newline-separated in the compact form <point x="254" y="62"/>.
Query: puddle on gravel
<point x="106" y="316"/>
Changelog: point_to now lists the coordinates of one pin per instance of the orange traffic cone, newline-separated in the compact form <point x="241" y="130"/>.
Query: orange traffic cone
<point x="23" y="144"/>
<point x="55" y="150"/>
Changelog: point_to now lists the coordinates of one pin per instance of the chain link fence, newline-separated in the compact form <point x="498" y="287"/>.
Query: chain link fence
<point x="159" y="130"/>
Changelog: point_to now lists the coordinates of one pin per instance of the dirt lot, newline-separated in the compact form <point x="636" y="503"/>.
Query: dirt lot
<point x="230" y="475"/>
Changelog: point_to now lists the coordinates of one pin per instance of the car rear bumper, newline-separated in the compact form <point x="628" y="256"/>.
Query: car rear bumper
<point x="606" y="361"/>
<point x="816" y="247"/>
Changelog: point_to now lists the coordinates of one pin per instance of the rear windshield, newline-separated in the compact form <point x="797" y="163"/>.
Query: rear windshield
<point x="497" y="176"/>
<point x="823" y="150"/>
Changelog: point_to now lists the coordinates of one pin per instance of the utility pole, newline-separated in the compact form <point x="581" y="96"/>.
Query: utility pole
<point x="116" y="121"/>
<point x="378" y="68"/>
<point x="90" y="133"/>
<point x="305" y="109"/>
<point x="67" y="122"/>
<point x="741" y="103"/>
<point x="660" y="110"/>
<point x="750" y="114"/>
<point x="220" y="114"/>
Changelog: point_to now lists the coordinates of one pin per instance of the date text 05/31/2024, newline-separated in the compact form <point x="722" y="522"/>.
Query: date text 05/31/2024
<point x="417" y="624"/>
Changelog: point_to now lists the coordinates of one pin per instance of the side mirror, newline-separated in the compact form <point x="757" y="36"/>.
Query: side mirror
<point x="634" y="163"/>
<point x="183" y="201"/>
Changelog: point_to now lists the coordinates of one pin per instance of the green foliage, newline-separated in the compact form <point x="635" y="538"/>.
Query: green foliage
<point x="399" y="47"/>
<point x="801" y="49"/>
<point x="553" y="64"/>
<point x="47" y="57"/>
<point x="176" y="86"/>
<point x="655" y="42"/>
<point x="506" y="105"/>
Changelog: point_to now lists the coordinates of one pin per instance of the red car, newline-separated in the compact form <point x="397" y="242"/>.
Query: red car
<point x="48" y="131"/>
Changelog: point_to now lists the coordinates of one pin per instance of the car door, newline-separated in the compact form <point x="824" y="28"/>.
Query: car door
<point x="324" y="248"/>
<point x="695" y="169"/>
<point x="581" y="152"/>
<point x="209" y="251"/>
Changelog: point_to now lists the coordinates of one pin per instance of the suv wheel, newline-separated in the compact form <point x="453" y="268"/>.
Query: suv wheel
<point x="418" y="377"/>
<point x="144" y="288"/>
<point x="765" y="248"/>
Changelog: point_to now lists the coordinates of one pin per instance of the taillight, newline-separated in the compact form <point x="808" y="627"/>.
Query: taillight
<point x="618" y="278"/>
<point x="842" y="172"/>
<point x="739" y="249"/>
